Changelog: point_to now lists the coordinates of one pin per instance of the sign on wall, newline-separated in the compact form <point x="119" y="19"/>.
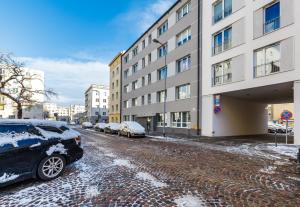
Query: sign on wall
<point x="217" y="104"/>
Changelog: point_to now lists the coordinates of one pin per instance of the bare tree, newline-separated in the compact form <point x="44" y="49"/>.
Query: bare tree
<point x="15" y="84"/>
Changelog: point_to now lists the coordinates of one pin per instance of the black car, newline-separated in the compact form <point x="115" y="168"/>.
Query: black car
<point x="38" y="149"/>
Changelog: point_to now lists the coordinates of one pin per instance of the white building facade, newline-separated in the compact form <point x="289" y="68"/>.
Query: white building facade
<point x="96" y="103"/>
<point x="249" y="61"/>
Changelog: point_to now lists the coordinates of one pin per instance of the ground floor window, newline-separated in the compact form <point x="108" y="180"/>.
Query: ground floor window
<point x="181" y="119"/>
<point x="126" y="118"/>
<point x="160" y="120"/>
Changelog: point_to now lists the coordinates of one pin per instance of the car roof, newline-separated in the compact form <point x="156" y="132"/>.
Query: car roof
<point x="34" y="122"/>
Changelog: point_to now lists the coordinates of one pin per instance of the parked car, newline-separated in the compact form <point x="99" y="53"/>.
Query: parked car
<point x="131" y="129"/>
<point x="36" y="149"/>
<point x="272" y="128"/>
<point x="87" y="125"/>
<point x="100" y="127"/>
<point x="112" y="128"/>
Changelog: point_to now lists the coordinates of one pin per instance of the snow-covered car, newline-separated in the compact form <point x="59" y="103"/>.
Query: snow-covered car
<point x="36" y="149"/>
<point x="112" y="128"/>
<point x="87" y="125"/>
<point x="131" y="129"/>
<point x="99" y="127"/>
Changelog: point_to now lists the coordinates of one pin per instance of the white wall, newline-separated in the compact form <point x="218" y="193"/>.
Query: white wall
<point x="297" y="112"/>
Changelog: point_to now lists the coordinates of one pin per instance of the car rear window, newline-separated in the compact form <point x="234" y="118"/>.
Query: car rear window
<point x="64" y="128"/>
<point x="13" y="128"/>
<point x="51" y="129"/>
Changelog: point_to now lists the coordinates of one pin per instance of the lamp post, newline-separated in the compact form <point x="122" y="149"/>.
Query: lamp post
<point x="165" y="86"/>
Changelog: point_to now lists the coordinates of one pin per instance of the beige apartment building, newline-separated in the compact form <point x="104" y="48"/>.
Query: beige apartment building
<point x="115" y="89"/>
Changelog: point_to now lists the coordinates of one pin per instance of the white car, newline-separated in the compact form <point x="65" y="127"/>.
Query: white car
<point x="87" y="125"/>
<point x="112" y="128"/>
<point x="132" y="129"/>
<point x="100" y="127"/>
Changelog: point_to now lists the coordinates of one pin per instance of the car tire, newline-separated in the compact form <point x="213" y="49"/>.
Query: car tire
<point x="45" y="173"/>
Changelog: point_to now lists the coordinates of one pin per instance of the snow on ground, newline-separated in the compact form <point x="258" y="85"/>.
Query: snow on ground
<point x="288" y="150"/>
<point x="8" y="177"/>
<point x="189" y="201"/>
<point x="153" y="181"/>
<point x="91" y="192"/>
<point x="268" y="170"/>
<point x="60" y="148"/>
<point x="124" y="163"/>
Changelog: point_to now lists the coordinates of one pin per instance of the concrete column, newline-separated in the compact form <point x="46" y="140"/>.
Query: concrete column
<point x="207" y="115"/>
<point x="297" y="112"/>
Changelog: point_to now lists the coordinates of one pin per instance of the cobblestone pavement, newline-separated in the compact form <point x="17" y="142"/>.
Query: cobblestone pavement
<point x="117" y="171"/>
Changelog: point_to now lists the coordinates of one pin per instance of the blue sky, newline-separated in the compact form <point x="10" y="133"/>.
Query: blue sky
<point x="74" y="40"/>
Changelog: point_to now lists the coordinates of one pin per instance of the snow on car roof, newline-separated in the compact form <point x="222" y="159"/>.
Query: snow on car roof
<point x="34" y="122"/>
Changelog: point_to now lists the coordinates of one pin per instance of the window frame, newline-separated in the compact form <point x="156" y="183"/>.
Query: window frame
<point x="177" y="90"/>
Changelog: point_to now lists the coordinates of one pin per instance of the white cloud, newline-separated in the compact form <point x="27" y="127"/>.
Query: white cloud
<point x="142" y="20"/>
<point x="68" y="77"/>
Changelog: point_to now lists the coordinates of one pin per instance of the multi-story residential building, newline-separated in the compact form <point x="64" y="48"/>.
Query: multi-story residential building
<point x="115" y="89"/>
<point x="249" y="62"/>
<point x="96" y="103"/>
<point x="76" y="112"/>
<point x="54" y="112"/>
<point x="144" y="72"/>
<point x="8" y="108"/>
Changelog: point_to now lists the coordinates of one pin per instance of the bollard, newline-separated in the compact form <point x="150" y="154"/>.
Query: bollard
<point x="275" y="139"/>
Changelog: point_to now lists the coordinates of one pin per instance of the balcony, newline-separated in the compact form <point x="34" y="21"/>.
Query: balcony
<point x="223" y="79"/>
<point x="272" y="25"/>
<point x="267" y="69"/>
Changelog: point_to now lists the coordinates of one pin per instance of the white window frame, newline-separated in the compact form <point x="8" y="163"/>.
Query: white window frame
<point x="184" y="37"/>
<point x="180" y="124"/>
<point x="180" y="12"/>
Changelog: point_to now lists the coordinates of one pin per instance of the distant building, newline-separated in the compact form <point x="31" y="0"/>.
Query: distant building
<point x="8" y="107"/>
<point x="96" y="103"/>
<point x="76" y="112"/>
<point x="115" y="89"/>
<point x="54" y="112"/>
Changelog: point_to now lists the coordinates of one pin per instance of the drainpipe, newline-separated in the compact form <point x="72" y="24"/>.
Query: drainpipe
<point x="199" y="67"/>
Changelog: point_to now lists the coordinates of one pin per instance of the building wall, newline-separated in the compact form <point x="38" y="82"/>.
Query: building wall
<point x="115" y="89"/>
<point x="248" y="36"/>
<point x="174" y="79"/>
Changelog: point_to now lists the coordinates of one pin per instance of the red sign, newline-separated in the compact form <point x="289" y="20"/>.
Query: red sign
<point x="286" y="115"/>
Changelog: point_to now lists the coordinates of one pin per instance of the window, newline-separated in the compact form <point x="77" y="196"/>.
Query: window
<point x="222" y="41"/>
<point x="160" y="120"/>
<point x="113" y="85"/>
<point x="117" y="95"/>
<point x="272" y="17"/>
<point x="143" y="44"/>
<point x="112" y="109"/>
<point x="222" y="73"/>
<point x="161" y="95"/>
<point x="149" y="78"/>
<point x="163" y="28"/>
<point x="135" y="68"/>
<point x="117" y="83"/>
<point x="222" y="9"/>
<point x="126" y="104"/>
<point x="117" y="107"/>
<point x="181" y="119"/>
<point x="135" y="51"/>
<point x="126" y="73"/>
<point x="267" y="60"/>
<point x="134" y="102"/>
<point x="149" y="39"/>
<point x="163" y="50"/>
<point x="149" y="58"/>
<point x="104" y="113"/>
<point x="183" y="11"/>
<point x="184" y="37"/>
<point x="126" y="58"/>
<point x="183" y="91"/>
<point x="97" y="100"/>
<point x="126" y="89"/>
<point x="112" y="97"/>
<point x="143" y="63"/>
<point x="104" y="100"/>
<point x="143" y="100"/>
<point x="134" y="85"/>
<point x="113" y="74"/>
<point x="149" y="99"/>
<point x="162" y="73"/>
<point x="143" y="81"/>
<point x="183" y="64"/>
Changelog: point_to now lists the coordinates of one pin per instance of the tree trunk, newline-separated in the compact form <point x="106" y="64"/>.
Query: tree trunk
<point x="20" y="111"/>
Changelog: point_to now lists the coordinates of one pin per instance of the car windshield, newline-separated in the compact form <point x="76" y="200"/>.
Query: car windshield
<point x="135" y="125"/>
<point x="51" y="129"/>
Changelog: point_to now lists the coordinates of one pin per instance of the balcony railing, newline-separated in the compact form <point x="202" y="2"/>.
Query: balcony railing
<point x="223" y="79"/>
<point x="267" y="69"/>
<point x="272" y="25"/>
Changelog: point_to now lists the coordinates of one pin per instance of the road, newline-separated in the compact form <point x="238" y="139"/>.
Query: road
<point x="117" y="171"/>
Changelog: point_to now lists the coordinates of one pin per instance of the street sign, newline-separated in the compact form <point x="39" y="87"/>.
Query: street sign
<point x="286" y="115"/>
<point x="217" y="109"/>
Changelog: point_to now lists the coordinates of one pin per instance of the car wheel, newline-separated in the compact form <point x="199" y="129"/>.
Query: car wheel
<point x="51" y="167"/>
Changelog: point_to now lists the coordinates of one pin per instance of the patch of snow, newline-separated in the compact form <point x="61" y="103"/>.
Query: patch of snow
<point x="13" y="138"/>
<point x="189" y="201"/>
<point x="8" y="177"/>
<point x="288" y="150"/>
<point x="268" y="170"/>
<point x="124" y="163"/>
<point x="134" y="126"/>
<point x="34" y="122"/>
<point x="91" y="191"/>
<point x="153" y="181"/>
<point x="157" y="138"/>
<point x="35" y="145"/>
<point x="60" y="148"/>
<point x="112" y="155"/>
<point x="294" y="178"/>
<point x="68" y="134"/>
